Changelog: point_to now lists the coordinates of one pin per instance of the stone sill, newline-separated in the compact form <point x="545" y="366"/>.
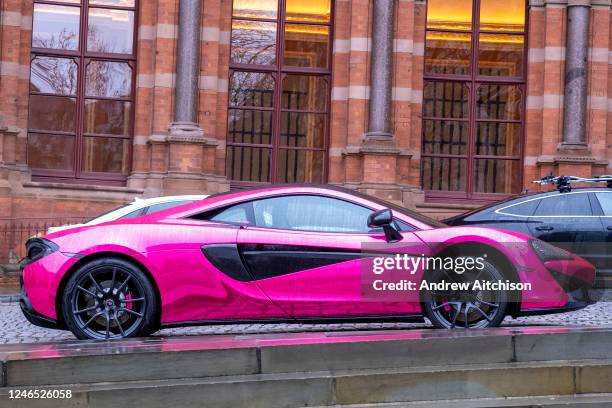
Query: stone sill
<point x="82" y="187"/>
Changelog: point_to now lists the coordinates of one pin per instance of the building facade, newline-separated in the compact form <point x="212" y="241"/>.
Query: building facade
<point x="439" y="105"/>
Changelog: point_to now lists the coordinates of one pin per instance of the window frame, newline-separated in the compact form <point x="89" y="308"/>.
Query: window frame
<point x="473" y="81"/>
<point x="279" y="72"/>
<point x="82" y="57"/>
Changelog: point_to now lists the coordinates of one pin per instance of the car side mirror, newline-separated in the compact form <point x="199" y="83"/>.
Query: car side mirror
<point x="383" y="219"/>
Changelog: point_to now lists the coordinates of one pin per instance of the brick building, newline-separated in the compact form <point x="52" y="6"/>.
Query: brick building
<point x="439" y="105"/>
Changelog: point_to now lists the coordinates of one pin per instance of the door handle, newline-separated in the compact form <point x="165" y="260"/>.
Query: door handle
<point x="544" y="228"/>
<point x="609" y="227"/>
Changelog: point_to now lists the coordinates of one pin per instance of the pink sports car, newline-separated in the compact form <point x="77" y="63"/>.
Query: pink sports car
<point x="293" y="253"/>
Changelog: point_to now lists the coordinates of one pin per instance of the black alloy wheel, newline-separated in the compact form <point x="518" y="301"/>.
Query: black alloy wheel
<point x="469" y="309"/>
<point x="109" y="298"/>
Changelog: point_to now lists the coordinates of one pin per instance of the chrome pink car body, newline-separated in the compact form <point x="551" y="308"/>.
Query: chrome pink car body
<point x="168" y="246"/>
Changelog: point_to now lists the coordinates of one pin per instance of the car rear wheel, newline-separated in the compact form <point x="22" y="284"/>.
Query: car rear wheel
<point x="471" y="308"/>
<point x="109" y="298"/>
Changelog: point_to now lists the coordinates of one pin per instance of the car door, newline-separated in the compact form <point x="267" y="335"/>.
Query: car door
<point x="604" y="243"/>
<point x="567" y="221"/>
<point x="309" y="254"/>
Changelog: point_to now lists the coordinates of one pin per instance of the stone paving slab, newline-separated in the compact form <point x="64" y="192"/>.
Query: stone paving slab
<point x="14" y="328"/>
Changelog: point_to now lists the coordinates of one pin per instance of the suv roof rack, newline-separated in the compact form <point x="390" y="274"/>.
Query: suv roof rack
<point x="563" y="183"/>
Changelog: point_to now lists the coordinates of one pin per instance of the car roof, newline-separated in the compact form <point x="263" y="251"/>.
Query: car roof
<point x="526" y="195"/>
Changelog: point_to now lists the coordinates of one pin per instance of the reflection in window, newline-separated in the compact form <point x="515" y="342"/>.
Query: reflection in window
<point x="56" y="27"/>
<point x="314" y="11"/>
<point x="110" y="31"/>
<point x="260" y="9"/>
<point x="253" y="42"/>
<point x="251" y="89"/>
<point x="448" y="53"/>
<point x="107" y="117"/>
<point x="52" y="75"/>
<point x="311" y="213"/>
<point x="50" y="152"/>
<point x="472" y="127"/>
<point x="81" y="130"/>
<point x="108" y="79"/>
<point x="105" y="155"/>
<point x="280" y="118"/>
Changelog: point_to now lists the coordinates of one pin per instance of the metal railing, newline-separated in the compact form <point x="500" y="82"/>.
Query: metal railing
<point x="14" y="232"/>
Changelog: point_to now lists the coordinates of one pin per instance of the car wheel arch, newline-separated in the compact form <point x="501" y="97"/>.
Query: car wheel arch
<point x="92" y="257"/>
<point x="496" y="257"/>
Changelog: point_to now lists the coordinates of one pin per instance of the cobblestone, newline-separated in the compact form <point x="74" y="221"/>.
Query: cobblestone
<point x="14" y="328"/>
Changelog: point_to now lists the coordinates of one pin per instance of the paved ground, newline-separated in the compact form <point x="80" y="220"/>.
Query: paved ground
<point x="14" y="328"/>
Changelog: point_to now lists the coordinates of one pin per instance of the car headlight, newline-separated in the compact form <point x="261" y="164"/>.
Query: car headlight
<point x="37" y="248"/>
<point x="548" y="252"/>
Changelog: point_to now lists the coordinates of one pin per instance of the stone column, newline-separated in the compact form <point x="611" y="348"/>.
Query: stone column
<point x="187" y="69"/>
<point x="379" y="126"/>
<point x="576" y="54"/>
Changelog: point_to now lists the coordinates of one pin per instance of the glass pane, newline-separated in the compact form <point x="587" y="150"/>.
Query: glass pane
<point x="117" y="3"/>
<point x="497" y="176"/>
<point x="452" y="15"/>
<point x="300" y="166"/>
<point x="108" y="117"/>
<point x="447" y="53"/>
<point x="56" y="27"/>
<point x="248" y="163"/>
<point x="251" y="89"/>
<point x="315" y="11"/>
<point x="444" y="137"/>
<point x="565" y="205"/>
<point x="105" y="154"/>
<point x="110" y="31"/>
<point x="500" y="55"/>
<point x="305" y="92"/>
<point x="447" y="174"/>
<point x="306" y="45"/>
<point x="498" y="139"/>
<point x="108" y="79"/>
<point x="445" y="100"/>
<point x="255" y="8"/>
<point x="253" y="42"/>
<point x="508" y="15"/>
<point x="303" y="129"/>
<point x="53" y="75"/>
<point x="52" y="113"/>
<point x="499" y="102"/>
<point x="311" y="213"/>
<point x="53" y="152"/>
<point x="605" y="201"/>
<point x="249" y="126"/>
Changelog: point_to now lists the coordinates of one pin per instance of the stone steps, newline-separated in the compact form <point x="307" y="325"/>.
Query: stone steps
<point x="496" y="367"/>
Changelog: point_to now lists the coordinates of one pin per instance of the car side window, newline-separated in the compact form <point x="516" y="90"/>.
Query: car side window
<point x="133" y="214"/>
<point x="237" y="214"/>
<point x="566" y="204"/>
<point x="311" y="213"/>
<point x="164" y="206"/>
<point x="525" y="209"/>
<point x="605" y="201"/>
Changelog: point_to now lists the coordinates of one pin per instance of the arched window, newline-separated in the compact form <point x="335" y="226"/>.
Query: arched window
<point x="473" y="98"/>
<point x="82" y="89"/>
<point x="279" y="91"/>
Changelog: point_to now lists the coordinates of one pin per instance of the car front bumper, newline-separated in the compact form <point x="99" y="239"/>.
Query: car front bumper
<point x="32" y="315"/>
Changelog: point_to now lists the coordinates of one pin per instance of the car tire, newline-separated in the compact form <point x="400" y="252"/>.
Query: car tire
<point x="109" y="298"/>
<point x="447" y="310"/>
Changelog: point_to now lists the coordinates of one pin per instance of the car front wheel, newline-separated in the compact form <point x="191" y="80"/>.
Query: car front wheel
<point x="109" y="298"/>
<point x="471" y="308"/>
